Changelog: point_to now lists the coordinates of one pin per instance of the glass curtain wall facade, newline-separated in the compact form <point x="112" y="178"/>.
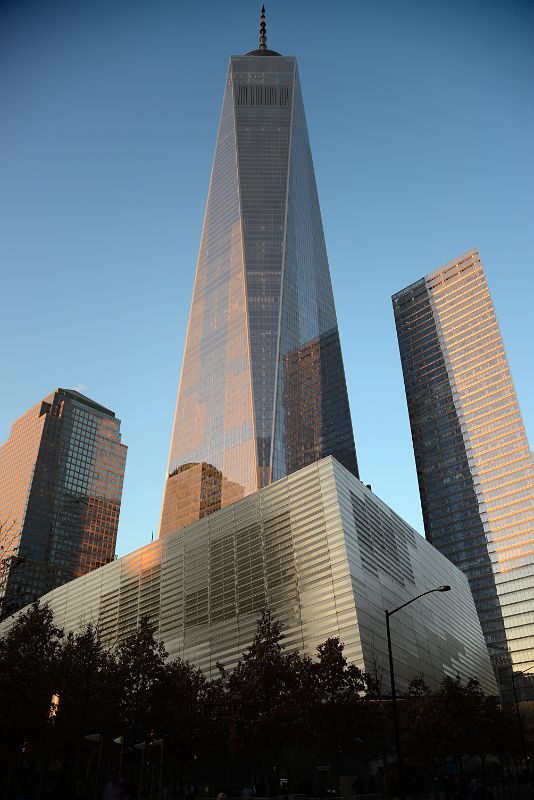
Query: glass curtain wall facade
<point x="474" y="465"/>
<point x="61" y="475"/>
<point x="262" y="389"/>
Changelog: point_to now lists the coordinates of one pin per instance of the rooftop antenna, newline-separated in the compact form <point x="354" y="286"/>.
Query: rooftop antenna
<point x="263" y="30"/>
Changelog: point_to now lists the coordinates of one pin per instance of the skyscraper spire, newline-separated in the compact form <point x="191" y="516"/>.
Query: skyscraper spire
<point x="263" y="29"/>
<point x="263" y="50"/>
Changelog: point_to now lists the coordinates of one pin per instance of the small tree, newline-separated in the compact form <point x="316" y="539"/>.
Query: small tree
<point x="180" y="713"/>
<point x="86" y="672"/>
<point x="261" y="696"/>
<point x="501" y="728"/>
<point x="140" y="669"/>
<point x="460" y="717"/>
<point x="335" y="714"/>
<point x="420" y="725"/>
<point x="28" y="679"/>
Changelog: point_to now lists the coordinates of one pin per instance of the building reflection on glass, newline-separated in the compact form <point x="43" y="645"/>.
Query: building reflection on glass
<point x="262" y="297"/>
<point x="193" y="491"/>
<point x="317" y="419"/>
<point x="61" y="474"/>
<point x="474" y="465"/>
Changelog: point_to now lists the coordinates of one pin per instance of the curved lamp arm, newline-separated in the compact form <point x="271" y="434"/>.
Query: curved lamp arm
<point x="438" y="589"/>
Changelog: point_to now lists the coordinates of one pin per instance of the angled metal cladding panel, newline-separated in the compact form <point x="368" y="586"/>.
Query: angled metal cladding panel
<point x="206" y="586"/>
<point x="322" y="552"/>
<point x="390" y="564"/>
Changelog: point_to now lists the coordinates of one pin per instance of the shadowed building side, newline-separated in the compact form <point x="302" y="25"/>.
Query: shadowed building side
<point x="316" y="418"/>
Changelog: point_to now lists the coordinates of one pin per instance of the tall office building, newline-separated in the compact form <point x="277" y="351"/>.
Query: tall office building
<point x="474" y="465"/>
<point x="61" y="474"/>
<point x="262" y="390"/>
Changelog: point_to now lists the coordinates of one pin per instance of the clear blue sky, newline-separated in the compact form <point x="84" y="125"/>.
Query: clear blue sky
<point x="421" y="119"/>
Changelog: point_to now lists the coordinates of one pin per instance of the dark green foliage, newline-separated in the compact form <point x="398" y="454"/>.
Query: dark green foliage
<point x="86" y="686"/>
<point x="29" y="671"/>
<point x="180" y="715"/>
<point x="420" y="723"/>
<point x="340" y="716"/>
<point x="139" y="672"/>
<point x="261" y="692"/>
<point x="275" y="707"/>
<point x="456" y="721"/>
<point x="461" y="716"/>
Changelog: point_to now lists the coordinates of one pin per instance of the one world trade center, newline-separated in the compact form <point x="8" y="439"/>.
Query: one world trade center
<point x="262" y="390"/>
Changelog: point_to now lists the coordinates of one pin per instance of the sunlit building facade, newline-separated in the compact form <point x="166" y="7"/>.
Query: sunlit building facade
<point x="61" y="475"/>
<point x="262" y="389"/>
<point x="323" y="553"/>
<point x="474" y="465"/>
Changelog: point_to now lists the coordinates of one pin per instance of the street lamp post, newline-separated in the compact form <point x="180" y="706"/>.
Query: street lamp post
<point x="392" y="676"/>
